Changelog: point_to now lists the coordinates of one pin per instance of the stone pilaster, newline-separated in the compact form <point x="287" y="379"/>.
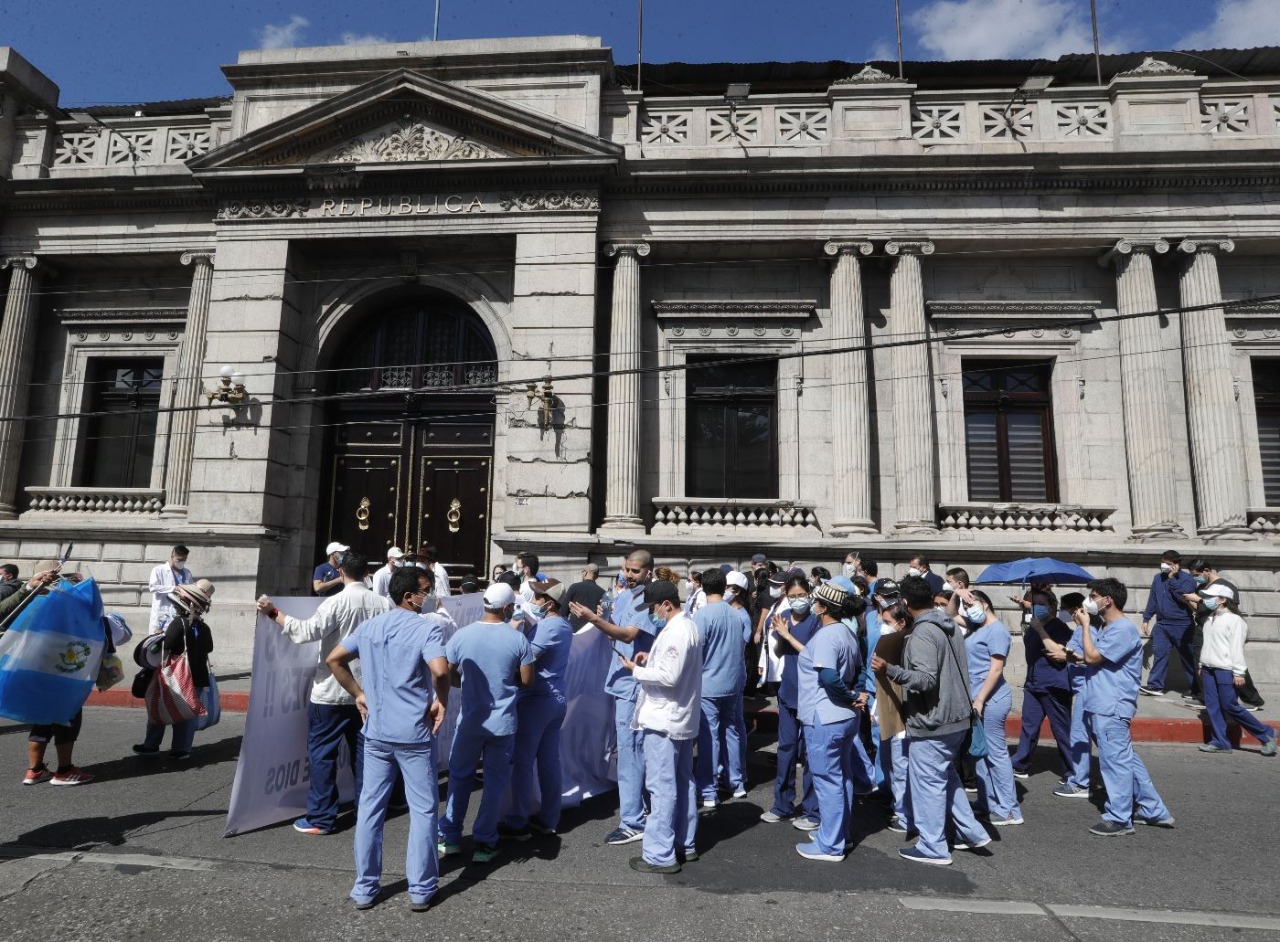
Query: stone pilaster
<point x="850" y="402"/>
<point x="188" y="386"/>
<point x="622" y="487"/>
<point x="1217" y="452"/>
<point x="1147" y="440"/>
<point x="17" y="347"/>
<point x="913" y="434"/>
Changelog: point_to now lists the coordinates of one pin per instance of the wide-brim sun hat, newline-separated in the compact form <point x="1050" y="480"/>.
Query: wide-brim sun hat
<point x="198" y="594"/>
<point x="551" y="588"/>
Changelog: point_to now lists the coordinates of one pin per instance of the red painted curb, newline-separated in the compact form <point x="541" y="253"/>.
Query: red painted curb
<point x="1145" y="729"/>
<point x="233" y="701"/>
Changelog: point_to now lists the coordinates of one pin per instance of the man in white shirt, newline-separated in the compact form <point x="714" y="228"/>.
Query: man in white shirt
<point x="430" y="558"/>
<point x="332" y="716"/>
<point x="382" y="578"/>
<point x="668" y="711"/>
<point x="164" y="579"/>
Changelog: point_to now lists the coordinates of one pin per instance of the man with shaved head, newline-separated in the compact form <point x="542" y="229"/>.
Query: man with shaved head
<point x="632" y="631"/>
<point x="588" y="593"/>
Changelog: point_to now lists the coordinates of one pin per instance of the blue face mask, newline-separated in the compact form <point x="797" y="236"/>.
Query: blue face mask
<point x="975" y="615"/>
<point x="1201" y="580"/>
<point x="1211" y="604"/>
<point x="1040" y="611"/>
<point x="657" y="621"/>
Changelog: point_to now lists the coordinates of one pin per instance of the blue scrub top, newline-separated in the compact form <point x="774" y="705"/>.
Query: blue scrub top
<point x="832" y="646"/>
<point x="1111" y="688"/>
<point x="551" y="643"/>
<point x="982" y="645"/>
<point x="489" y="656"/>
<point x="629" y="611"/>
<point x="1077" y="673"/>
<point x="803" y="631"/>
<point x="866" y="679"/>
<point x="394" y="649"/>
<point x="1042" y="672"/>
<point x="724" y="672"/>
<point x="326" y="573"/>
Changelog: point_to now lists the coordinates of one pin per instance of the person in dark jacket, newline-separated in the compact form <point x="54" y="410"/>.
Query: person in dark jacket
<point x="1047" y="690"/>
<point x="1175" y="626"/>
<point x="186" y="633"/>
<point x="938" y="713"/>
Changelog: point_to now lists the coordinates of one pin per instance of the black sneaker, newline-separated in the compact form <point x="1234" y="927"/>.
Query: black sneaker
<point x="1110" y="829"/>
<point x="179" y="755"/>
<point x="640" y="865"/>
<point x="143" y="749"/>
<point x="514" y="834"/>
<point x="1021" y="774"/>
<point x="1150" y="691"/>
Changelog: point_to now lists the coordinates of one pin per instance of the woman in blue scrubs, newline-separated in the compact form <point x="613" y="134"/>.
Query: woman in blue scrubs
<point x="799" y="624"/>
<point x="987" y="643"/>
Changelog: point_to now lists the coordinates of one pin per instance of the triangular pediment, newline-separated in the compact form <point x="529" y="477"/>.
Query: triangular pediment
<point x="407" y="118"/>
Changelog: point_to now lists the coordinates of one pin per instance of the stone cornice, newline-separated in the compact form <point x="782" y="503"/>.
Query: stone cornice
<point x="683" y="309"/>
<point x="1032" y="310"/>
<point x="848" y="247"/>
<point x="1250" y="308"/>
<point x="121" y="315"/>
<point x="1192" y="246"/>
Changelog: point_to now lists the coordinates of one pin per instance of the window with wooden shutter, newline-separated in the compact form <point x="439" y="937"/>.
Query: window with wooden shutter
<point x="120" y="434"/>
<point x="1266" y="391"/>
<point x="732" y="429"/>
<point x="1008" y="416"/>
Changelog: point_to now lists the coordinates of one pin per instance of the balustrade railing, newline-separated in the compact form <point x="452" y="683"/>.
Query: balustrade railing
<point x="95" y="500"/>
<point x="689" y="513"/>
<point x="1015" y="517"/>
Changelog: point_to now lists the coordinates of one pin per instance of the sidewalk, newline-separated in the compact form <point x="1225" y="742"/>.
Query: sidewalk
<point x="1160" y="719"/>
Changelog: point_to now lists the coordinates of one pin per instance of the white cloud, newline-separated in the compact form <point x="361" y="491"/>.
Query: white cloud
<point x="883" y="51"/>
<point x="1003" y="29"/>
<point x="364" y="39"/>
<point x="1238" y="24"/>
<point x="283" y="35"/>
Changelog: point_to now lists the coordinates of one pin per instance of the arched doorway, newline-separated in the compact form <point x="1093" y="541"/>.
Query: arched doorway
<point x="410" y="443"/>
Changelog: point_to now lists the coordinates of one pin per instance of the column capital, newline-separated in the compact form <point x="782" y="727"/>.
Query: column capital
<point x="198" y="257"/>
<point x="909" y="247"/>
<point x="1212" y="246"/>
<point x="637" y="248"/>
<point x="1127" y="247"/>
<point x="25" y="260"/>
<point x="837" y="247"/>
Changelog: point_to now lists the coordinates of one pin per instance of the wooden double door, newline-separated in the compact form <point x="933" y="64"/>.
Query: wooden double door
<point x="407" y="475"/>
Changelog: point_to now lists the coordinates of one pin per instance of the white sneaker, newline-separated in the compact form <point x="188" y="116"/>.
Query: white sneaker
<point x="740" y="792"/>
<point x="805" y="823"/>
<point x="811" y="852"/>
<point x="770" y="818"/>
<point x="966" y="845"/>
<point x="1006" y="822"/>
<point x="709" y="804"/>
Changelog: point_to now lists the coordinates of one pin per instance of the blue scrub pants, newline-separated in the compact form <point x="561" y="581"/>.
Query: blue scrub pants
<point x="538" y="720"/>
<point x="1164" y="641"/>
<point x="631" y="766"/>
<point x="719" y="739"/>
<point x="1123" y="774"/>
<point x="893" y="761"/>
<point x="328" y="727"/>
<point x="936" y="792"/>
<point x="1222" y="703"/>
<point x="673" y="816"/>
<point x="784" y="787"/>
<point x="1080" y="748"/>
<point x="184" y="734"/>
<point x="1054" y="703"/>
<point x="865" y="774"/>
<point x="997" y="794"/>
<point x="416" y="762"/>
<point x="469" y="744"/>
<point x="829" y="747"/>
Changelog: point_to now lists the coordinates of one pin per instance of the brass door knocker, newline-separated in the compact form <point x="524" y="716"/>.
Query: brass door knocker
<point x="454" y="515"/>
<point x="362" y="514"/>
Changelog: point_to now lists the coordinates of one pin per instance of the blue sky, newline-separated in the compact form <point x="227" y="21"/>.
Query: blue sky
<point x="136" y="50"/>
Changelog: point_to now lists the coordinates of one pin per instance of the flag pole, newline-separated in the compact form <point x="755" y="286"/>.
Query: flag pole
<point x="897" y="20"/>
<point x="639" y="44"/>
<point x="1097" y="54"/>
<point x="435" y="28"/>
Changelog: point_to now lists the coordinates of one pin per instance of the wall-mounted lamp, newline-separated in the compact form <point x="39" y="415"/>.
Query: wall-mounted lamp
<point x="545" y="397"/>
<point x="230" y="388"/>
<point x="737" y="92"/>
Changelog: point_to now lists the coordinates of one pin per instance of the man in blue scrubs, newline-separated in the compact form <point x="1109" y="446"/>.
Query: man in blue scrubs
<point x="1175" y="626"/>
<point x="402" y="699"/>
<point x="1113" y="656"/>
<point x="490" y="660"/>
<point x="632" y="631"/>
<point x="723" y="677"/>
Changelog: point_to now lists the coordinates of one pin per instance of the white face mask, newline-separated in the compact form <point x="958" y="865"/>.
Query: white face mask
<point x="775" y="591"/>
<point x="1091" y="606"/>
<point x="913" y="571"/>
<point x="730" y="594"/>
<point x="849" y="570"/>
<point x="1165" y="567"/>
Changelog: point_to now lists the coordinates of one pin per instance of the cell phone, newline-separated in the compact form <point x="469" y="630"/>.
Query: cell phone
<point x="619" y="653"/>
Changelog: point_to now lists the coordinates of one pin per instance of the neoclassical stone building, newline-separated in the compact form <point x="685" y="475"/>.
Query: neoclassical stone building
<point x="492" y="296"/>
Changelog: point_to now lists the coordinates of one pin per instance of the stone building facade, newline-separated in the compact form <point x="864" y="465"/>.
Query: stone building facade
<point x="488" y="295"/>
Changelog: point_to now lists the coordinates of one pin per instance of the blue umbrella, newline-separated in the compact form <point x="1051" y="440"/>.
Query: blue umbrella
<point x="1035" y="569"/>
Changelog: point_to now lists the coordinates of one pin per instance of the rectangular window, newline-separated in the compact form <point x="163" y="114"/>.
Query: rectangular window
<point x="732" y="433"/>
<point x="1008" y="418"/>
<point x="120" y="435"/>
<point x="1266" y="392"/>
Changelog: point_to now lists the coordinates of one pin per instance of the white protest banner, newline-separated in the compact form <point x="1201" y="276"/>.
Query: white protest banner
<point x="273" y="773"/>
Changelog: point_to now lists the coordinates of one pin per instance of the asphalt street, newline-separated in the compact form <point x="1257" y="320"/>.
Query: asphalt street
<point x="139" y="855"/>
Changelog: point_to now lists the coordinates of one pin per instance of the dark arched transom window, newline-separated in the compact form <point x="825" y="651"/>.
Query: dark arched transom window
<point x="427" y="342"/>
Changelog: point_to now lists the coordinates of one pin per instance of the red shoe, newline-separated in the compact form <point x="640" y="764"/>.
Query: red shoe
<point x="36" y="776"/>
<point x="72" y="776"/>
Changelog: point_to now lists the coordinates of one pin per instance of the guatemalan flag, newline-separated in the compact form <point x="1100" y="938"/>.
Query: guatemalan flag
<point x="50" y="655"/>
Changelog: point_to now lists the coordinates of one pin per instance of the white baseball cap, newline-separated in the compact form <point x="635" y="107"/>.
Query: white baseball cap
<point x="738" y="579"/>
<point x="499" y="595"/>
<point x="395" y="553"/>
<point x="336" y="548"/>
<point x="1218" y="590"/>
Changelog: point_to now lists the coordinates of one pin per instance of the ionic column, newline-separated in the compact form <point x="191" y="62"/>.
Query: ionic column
<point x="17" y="348"/>
<point x="850" y="402"/>
<point x="1217" y="452"/>
<point x="622" y="488"/>
<point x="187" y="388"/>
<point x="914" y="441"/>
<point x="1148" y="444"/>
